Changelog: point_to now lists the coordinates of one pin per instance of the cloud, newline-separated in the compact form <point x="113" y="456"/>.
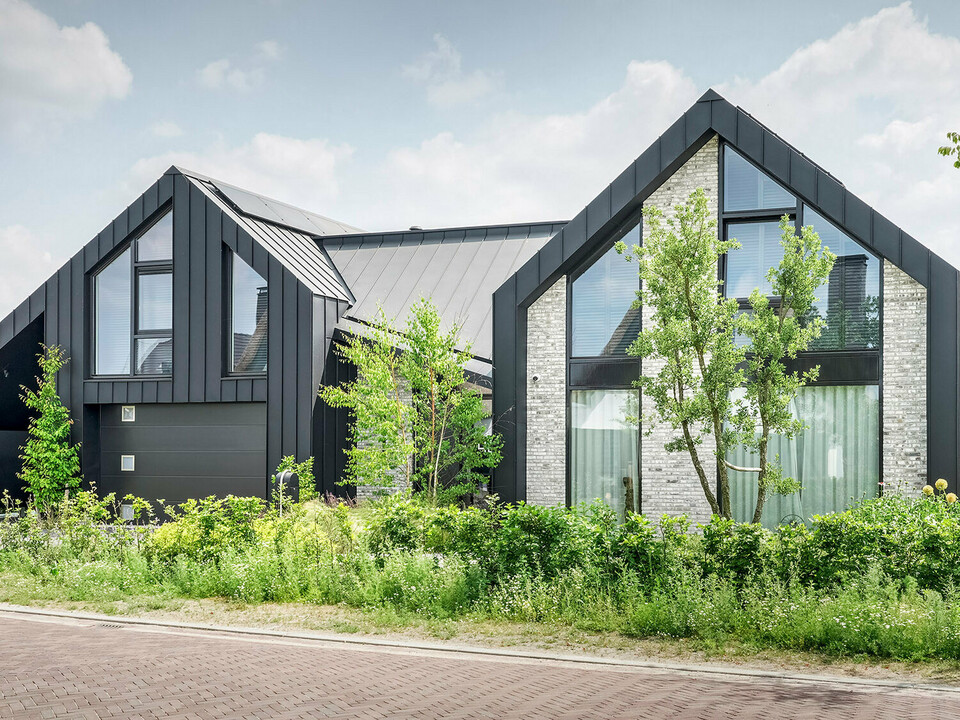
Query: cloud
<point x="30" y="262"/>
<point x="52" y="74"/>
<point x="224" y="74"/>
<point x="166" y="129"/>
<point x="300" y="172"/>
<point x="269" y="50"/>
<point x="871" y="104"/>
<point x="522" y="167"/>
<point x="442" y="73"/>
<point x="221" y="74"/>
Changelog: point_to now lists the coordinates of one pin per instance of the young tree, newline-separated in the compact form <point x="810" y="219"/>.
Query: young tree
<point x="381" y="434"/>
<point x="451" y="442"/>
<point x="51" y="464"/>
<point x="693" y="338"/>
<point x="691" y="335"/>
<point x="952" y="149"/>
<point x="777" y="331"/>
<point x="415" y="416"/>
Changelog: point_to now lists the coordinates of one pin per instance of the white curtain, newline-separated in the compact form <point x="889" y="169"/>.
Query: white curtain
<point x="604" y="447"/>
<point x="836" y="458"/>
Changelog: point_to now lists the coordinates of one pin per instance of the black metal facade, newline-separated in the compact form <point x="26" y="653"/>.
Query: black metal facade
<point x="712" y="115"/>
<point x="300" y="325"/>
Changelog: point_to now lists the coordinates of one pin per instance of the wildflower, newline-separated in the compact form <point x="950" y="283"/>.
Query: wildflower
<point x="941" y="484"/>
<point x="951" y="498"/>
<point x="927" y="490"/>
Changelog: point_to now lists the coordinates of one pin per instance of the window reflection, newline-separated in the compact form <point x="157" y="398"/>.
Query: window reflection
<point x="603" y="321"/>
<point x="249" y="333"/>
<point x="849" y="302"/>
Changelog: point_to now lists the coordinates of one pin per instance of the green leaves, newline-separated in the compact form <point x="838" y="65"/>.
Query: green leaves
<point x="690" y="339"/>
<point x="51" y="464"/>
<point x="954" y="150"/>
<point x="416" y="418"/>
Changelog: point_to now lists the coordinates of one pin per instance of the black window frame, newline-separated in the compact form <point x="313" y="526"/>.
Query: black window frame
<point x="137" y="269"/>
<point x="601" y="372"/>
<point x="229" y="258"/>
<point x="837" y="367"/>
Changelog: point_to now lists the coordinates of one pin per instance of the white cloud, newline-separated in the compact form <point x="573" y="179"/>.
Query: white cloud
<point x="442" y="73"/>
<point x="221" y="74"/>
<point x="523" y="167"/>
<point x="871" y="104"/>
<point x="300" y="172"/>
<point x="28" y="261"/>
<point x="52" y="74"/>
<point x="269" y="50"/>
<point x="225" y="74"/>
<point x="166" y="129"/>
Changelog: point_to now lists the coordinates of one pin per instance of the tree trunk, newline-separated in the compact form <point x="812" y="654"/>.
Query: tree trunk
<point x="695" y="457"/>
<point x="762" y="475"/>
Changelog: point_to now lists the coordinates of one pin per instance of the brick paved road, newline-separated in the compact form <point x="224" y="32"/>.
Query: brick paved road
<point x="83" y="669"/>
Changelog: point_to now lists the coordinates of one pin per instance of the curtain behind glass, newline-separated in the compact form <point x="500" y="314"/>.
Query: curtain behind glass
<point x="604" y="448"/>
<point x="113" y="331"/>
<point x="836" y="458"/>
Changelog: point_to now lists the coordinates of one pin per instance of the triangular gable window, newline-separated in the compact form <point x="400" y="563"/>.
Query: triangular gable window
<point x="745" y="188"/>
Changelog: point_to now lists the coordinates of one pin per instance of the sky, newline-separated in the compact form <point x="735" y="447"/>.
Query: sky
<point x="439" y="113"/>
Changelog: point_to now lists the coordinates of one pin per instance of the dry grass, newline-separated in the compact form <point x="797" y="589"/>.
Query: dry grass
<point x="538" y="637"/>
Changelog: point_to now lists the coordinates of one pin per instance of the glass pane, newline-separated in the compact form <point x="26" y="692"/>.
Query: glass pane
<point x="849" y="301"/>
<point x="155" y="298"/>
<point x="157" y="242"/>
<point x="249" y="338"/>
<point x="155" y="356"/>
<point x="746" y="188"/>
<point x="836" y="458"/>
<point x="603" y="321"/>
<point x="112" y="303"/>
<point x="747" y="267"/>
<point x="604" y="440"/>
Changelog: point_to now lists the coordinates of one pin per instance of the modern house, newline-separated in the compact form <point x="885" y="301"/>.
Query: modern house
<point x="202" y="320"/>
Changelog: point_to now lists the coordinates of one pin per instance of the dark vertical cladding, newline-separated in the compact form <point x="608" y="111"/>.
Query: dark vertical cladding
<point x="505" y="389"/>
<point x="300" y="327"/>
<point x="942" y="375"/>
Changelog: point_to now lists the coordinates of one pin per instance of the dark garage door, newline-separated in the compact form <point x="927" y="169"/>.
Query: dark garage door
<point x="185" y="451"/>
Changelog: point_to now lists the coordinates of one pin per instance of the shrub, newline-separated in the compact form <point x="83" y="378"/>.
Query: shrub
<point x="202" y="529"/>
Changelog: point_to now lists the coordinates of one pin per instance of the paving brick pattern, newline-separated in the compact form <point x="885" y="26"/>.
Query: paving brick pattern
<point x="72" y="669"/>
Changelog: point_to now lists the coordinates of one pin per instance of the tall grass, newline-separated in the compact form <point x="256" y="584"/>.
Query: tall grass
<point x="577" y="567"/>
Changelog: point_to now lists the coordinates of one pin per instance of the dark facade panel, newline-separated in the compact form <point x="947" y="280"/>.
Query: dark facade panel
<point x="749" y="137"/>
<point x="599" y="211"/>
<point x="776" y="157"/>
<point x="915" y="259"/>
<point x="803" y="176"/>
<point x="886" y="238"/>
<point x="856" y="218"/>
<point x="623" y="190"/>
<point x="830" y="197"/>
<point x="943" y="361"/>
<point x="672" y="143"/>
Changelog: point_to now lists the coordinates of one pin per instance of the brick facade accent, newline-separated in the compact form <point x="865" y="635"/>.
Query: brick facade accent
<point x="670" y="483"/>
<point x="547" y="397"/>
<point x="904" y="381"/>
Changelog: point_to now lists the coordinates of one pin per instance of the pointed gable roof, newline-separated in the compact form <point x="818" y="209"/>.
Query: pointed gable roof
<point x="711" y="115"/>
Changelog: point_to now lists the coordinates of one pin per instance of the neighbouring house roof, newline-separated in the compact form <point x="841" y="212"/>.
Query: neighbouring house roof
<point x="295" y="248"/>
<point x="457" y="268"/>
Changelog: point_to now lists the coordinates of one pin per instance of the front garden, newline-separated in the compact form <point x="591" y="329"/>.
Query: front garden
<point x="878" y="580"/>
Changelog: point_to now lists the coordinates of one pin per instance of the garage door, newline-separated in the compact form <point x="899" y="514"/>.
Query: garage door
<point x="177" y="452"/>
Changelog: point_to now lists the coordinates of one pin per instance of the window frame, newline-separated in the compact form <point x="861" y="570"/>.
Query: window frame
<point x="601" y="372"/>
<point x="137" y="268"/>
<point x="837" y="367"/>
<point x="229" y="260"/>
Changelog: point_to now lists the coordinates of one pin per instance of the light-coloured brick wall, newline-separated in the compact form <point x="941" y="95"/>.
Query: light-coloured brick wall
<point x="904" y="381"/>
<point x="670" y="483"/>
<point x="546" y="397"/>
